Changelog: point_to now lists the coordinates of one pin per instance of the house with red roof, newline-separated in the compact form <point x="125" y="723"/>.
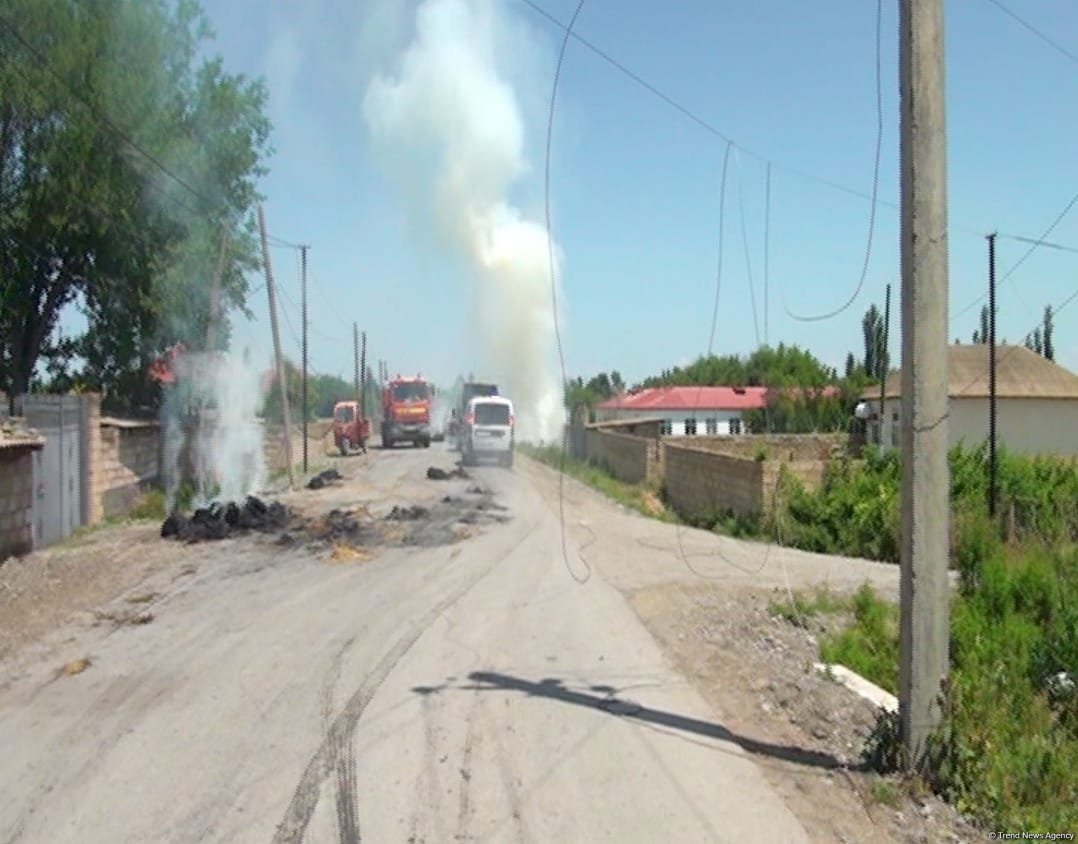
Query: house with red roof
<point x="687" y="411"/>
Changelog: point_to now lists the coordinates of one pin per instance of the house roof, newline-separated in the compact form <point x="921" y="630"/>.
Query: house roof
<point x="1020" y="374"/>
<point x="690" y="398"/>
<point x="15" y="434"/>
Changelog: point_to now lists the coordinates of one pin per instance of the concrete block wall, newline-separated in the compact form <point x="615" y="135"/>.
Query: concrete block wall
<point x="126" y="462"/>
<point x="16" y="502"/>
<point x="784" y="447"/>
<point x="632" y="459"/>
<point x="703" y="483"/>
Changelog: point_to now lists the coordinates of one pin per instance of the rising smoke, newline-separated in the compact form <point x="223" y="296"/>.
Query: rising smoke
<point x="452" y="123"/>
<point x="213" y="438"/>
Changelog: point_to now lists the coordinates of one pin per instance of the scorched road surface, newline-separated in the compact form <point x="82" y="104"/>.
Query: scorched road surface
<point x="472" y="691"/>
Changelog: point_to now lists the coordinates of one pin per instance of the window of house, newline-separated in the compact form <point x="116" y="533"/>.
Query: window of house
<point x="712" y="425"/>
<point x="894" y="429"/>
<point x="735" y="426"/>
<point x="690" y="427"/>
<point x="666" y="428"/>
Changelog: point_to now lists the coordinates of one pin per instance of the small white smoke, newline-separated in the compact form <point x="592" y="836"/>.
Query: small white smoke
<point x="213" y="436"/>
<point x="453" y="124"/>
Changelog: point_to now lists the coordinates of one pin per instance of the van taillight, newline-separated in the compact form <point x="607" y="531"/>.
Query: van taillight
<point x="512" y="420"/>
<point x="470" y="419"/>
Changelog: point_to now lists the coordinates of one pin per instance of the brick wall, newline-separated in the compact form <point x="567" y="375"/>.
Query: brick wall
<point x="126" y="462"/>
<point x="16" y="501"/>
<point x="633" y="459"/>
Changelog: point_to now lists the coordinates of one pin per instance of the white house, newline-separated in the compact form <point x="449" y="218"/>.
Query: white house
<point x="1036" y="402"/>
<point x="687" y="411"/>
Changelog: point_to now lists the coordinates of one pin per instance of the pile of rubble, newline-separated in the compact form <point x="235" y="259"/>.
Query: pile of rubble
<point x="221" y="520"/>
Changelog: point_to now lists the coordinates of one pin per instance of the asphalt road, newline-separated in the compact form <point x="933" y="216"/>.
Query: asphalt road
<point x="466" y="692"/>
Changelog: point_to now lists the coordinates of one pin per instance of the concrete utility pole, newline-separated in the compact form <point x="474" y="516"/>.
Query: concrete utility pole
<point x="883" y="361"/>
<point x="925" y="624"/>
<point x="363" y="375"/>
<point x="303" y="307"/>
<point x="281" y="381"/>
<point x="992" y="461"/>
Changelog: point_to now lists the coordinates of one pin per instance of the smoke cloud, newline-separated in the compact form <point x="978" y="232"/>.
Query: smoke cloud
<point x="213" y="436"/>
<point x="451" y="123"/>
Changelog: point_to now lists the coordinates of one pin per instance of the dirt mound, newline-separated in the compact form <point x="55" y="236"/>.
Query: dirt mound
<point x="221" y="520"/>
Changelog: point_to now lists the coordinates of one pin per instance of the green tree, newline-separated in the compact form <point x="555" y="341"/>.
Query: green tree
<point x="123" y="155"/>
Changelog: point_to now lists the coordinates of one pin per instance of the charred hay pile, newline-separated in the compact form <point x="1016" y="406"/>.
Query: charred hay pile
<point x="222" y="520"/>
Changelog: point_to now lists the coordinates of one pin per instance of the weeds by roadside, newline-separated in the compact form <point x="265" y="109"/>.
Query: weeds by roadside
<point x="643" y="499"/>
<point x="1007" y="753"/>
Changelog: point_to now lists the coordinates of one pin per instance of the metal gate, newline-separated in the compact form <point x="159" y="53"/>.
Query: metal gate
<point x="59" y="501"/>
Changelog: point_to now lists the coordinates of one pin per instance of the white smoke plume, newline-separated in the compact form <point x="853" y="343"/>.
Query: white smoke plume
<point x="452" y="123"/>
<point x="212" y="431"/>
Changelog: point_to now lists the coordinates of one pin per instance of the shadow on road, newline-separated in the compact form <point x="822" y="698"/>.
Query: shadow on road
<point x="604" y="698"/>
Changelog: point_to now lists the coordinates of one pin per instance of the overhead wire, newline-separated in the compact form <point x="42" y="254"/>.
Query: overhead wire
<point x="1053" y="312"/>
<point x="1035" y="244"/>
<point x="554" y="300"/>
<point x="1051" y="42"/>
<point x="745" y="243"/>
<point x="875" y="190"/>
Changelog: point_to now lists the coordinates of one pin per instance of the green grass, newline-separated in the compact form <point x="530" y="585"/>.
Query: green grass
<point x="1007" y="753"/>
<point x="643" y="499"/>
<point x="151" y="505"/>
<point x="806" y="605"/>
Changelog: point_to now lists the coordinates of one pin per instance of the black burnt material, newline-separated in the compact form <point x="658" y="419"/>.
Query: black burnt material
<point x="221" y="520"/>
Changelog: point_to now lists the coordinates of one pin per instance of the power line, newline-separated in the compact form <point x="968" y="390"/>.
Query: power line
<point x="875" y="187"/>
<point x="1045" y="243"/>
<point x="1053" y="313"/>
<point x="1055" y="45"/>
<point x="1042" y="240"/>
<point x="703" y="123"/>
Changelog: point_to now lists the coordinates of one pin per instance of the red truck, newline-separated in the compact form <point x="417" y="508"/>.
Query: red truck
<point x="406" y="411"/>
<point x="351" y="429"/>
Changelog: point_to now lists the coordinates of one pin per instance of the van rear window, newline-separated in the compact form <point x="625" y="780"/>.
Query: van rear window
<point x="491" y="414"/>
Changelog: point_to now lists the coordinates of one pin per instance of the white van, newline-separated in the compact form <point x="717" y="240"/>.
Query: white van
<point x="488" y="430"/>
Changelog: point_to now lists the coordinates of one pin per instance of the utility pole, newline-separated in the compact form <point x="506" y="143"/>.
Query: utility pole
<point x="363" y="375"/>
<point x="303" y="306"/>
<point x="992" y="464"/>
<point x="281" y="381"/>
<point x="925" y="623"/>
<point x="767" y="237"/>
<point x="355" y="353"/>
<point x="883" y="361"/>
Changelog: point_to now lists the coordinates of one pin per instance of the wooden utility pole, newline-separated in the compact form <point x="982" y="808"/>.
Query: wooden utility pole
<point x="882" y="363"/>
<point x="303" y="308"/>
<point x="992" y="464"/>
<point x="281" y="381"/>
<point x="925" y="623"/>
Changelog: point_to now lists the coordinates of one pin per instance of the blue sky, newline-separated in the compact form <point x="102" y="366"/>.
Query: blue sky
<point x="635" y="184"/>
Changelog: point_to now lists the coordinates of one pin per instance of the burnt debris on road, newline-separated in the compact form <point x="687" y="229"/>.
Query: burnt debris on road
<point x="436" y="474"/>
<point x="323" y="479"/>
<point x="221" y="520"/>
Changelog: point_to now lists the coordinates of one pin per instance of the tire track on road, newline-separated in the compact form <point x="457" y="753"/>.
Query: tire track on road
<point x="465" y="807"/>
<point x="300" y="810"/>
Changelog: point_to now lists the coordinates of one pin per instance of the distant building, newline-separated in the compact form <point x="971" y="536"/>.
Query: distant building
<point x="687" y="411"/>
<point x="1036" y="402"/>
